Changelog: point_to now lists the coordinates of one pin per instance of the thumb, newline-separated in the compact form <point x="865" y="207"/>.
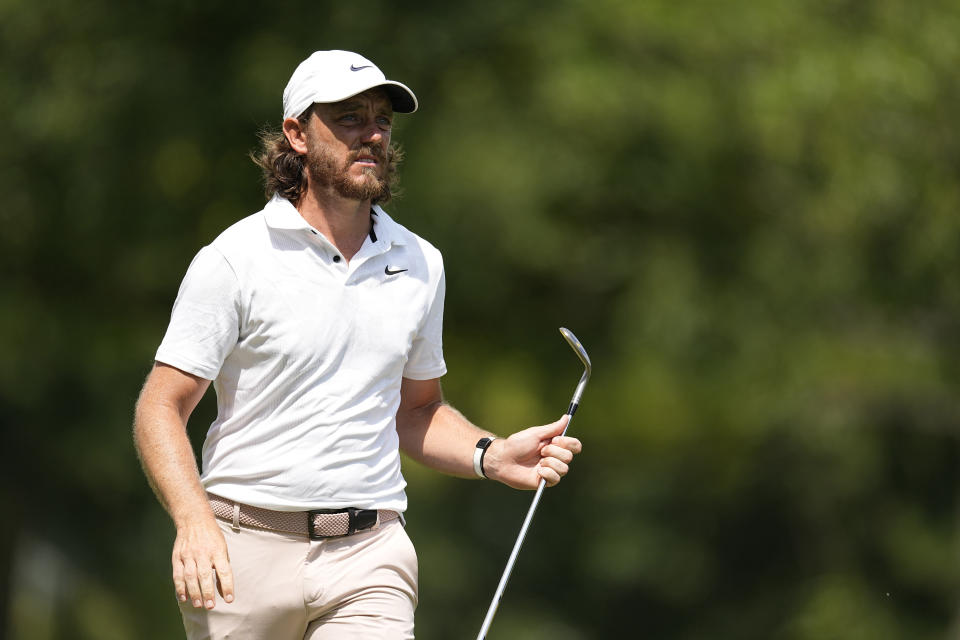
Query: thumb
<point x="549" y="431"/>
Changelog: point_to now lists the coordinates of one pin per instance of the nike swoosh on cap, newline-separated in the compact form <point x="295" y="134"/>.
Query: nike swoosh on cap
<point x="392" y="271"/>
<point x="354" y="67"/>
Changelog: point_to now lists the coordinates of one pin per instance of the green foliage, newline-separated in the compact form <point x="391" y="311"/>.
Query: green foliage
<point x="746" y="211"/>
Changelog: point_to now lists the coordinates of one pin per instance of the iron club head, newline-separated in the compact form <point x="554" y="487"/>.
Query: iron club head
<point x="587" y="367"/>
<point x="577" y="347"/>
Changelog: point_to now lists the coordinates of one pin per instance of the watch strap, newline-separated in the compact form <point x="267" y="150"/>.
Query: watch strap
<point x="478" y="453"/>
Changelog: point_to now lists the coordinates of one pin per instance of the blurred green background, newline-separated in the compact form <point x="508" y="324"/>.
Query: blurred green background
<point x="747" y="211"/>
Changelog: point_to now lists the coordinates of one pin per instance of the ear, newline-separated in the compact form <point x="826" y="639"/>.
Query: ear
<point x="296" y="135"/>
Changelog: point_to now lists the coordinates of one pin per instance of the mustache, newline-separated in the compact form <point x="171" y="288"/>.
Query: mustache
<point x="375" y="151"/>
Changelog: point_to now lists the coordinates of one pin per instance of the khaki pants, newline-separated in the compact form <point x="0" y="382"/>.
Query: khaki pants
<point x="287" y="587"/>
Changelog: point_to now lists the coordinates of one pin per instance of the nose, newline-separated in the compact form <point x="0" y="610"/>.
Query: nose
<point x="373" y="134"/>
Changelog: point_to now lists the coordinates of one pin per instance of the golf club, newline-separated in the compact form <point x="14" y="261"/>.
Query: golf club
<point x="574" y="403"/>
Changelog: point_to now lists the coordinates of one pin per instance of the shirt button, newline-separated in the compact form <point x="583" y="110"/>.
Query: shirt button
<point x="336" y="258"/>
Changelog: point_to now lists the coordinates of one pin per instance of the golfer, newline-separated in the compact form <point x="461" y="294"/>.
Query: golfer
<point x="318" y="319"/>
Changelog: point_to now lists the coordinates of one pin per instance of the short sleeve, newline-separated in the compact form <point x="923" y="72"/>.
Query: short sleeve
<point x="205" y="322"/>
<point x="426" y="354"/>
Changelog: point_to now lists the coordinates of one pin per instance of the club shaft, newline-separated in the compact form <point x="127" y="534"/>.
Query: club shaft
<point x="492" y="611"/>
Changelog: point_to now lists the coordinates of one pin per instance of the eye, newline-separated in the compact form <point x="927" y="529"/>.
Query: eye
<point x="349" y="117"/>
<point x="384" y="122"/>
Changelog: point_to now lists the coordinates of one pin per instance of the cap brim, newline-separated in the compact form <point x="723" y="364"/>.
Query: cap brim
<point x="400" y="95"/>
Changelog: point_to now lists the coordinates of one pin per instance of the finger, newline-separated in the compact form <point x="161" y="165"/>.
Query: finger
<point x="561" y="467"/>
<point x="190" y="576"/>
<point x="553" y="451"/>
<point x="570" y="444"/>
<point x="224" y="578"/>
<point x="549" y="474"/>
<point x="552" y="430"/>
<point x="179" y="584"/>
<point x="208" y="588"/>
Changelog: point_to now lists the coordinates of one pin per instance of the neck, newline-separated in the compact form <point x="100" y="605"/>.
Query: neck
<point x="344" y="222"/>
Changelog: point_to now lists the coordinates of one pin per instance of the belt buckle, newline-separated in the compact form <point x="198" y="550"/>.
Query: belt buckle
<point x="357" y="520"/>
<point x="362" y="519"/>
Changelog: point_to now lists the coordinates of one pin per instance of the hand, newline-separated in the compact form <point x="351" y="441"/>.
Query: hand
<point x="521" y="460"/>
<point x="200" y="561"/>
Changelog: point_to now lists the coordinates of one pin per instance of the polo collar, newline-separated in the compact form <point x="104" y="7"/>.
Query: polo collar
<point x="384" y="228"/>
<point x="281" y="214"/>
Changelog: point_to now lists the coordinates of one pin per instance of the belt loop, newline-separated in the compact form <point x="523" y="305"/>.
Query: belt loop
<point x="236" y="517"/>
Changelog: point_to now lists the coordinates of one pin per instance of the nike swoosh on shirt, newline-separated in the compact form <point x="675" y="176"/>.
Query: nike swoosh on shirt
<point x="392" y="272"/>
<point x="354" y="67"/>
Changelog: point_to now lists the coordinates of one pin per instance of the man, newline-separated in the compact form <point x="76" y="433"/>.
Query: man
<point x="318" y="319"/>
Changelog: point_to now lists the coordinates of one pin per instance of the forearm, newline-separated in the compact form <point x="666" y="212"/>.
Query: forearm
<point x="199" y="561"/>
<point x="437" y="435"/>
<point x="440" y="437"/>
<point x="167" y="457"/>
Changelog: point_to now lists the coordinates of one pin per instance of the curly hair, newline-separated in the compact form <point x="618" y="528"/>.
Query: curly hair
<point x="285" y="170"/>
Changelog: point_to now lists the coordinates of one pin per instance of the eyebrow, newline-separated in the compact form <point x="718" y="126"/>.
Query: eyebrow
<point x="351" y="105"/>
<point x="348" y="106"/>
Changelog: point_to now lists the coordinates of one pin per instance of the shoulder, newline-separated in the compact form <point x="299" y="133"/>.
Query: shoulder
<point x="243" y="231"/>
<point x="242" y="239"/>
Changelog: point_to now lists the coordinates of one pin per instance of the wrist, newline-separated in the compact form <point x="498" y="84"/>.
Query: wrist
<point x="480" y="467"/>
<point x="197" y="513"/>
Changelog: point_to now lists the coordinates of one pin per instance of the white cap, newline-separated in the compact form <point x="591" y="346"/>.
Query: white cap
<point x="332" y="76"/>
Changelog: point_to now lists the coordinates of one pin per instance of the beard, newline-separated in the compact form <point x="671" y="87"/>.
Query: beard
<point x="325" y="172"/>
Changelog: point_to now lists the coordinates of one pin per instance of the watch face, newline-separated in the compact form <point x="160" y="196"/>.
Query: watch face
<point x="484" y="443"/>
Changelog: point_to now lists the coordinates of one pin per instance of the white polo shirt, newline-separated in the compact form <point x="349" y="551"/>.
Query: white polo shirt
<point x="306" y="354"/>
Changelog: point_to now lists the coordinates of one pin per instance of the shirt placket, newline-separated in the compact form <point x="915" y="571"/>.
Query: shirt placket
<point x="330" y="255"/>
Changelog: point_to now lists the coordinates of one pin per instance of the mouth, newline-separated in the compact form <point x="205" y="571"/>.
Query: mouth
<point x="366" y="161"/>
<point x="368" y="157"/>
